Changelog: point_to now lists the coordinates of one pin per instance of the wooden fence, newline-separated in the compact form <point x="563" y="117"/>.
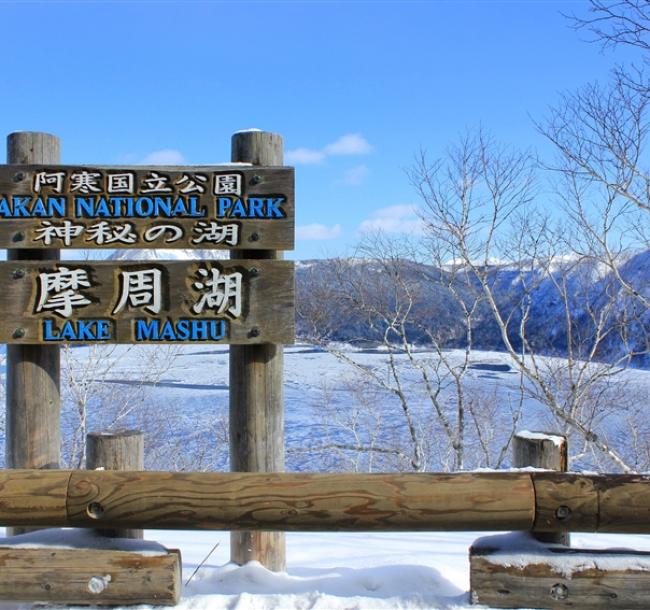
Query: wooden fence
<point x="538" y="501"/>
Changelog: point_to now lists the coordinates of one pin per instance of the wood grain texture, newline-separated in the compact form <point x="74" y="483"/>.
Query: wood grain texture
<point x="253" y="234"/>
<point x="259" y="148"/>
<point x="29" y="498"/>
<point x="88" y="576"/>
<point x="540" y="452"/>
<point x="614" y="503"/>
<point x="563" y="502"/>
<point x="267" y="299"/>
<point x="33" y="401"/>
<point x="624" y="503"/>
<point x="117" y="450"/>
<point x="302" y="502"/>
<point x="257" y="386"/>
<point x="322" y="502"/>
<point x="534" y="582"/>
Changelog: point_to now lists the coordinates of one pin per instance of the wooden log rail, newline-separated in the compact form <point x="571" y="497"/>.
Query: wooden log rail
<point x="541" y="501"/>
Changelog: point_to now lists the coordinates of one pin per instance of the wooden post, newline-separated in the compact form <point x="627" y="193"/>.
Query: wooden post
<point x="256" y="392"/>
<point x="33" y="406"/>
<point x="120" y="450"/>
<point x="542" y="450"/>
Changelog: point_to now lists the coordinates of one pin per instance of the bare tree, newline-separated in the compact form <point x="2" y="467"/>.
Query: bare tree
<point x="564" y="294"/>
<point x="106" y="385"/>
<point x="397" y="302"/>
<point x="477" y="203"/>
<point x="617" y="22"/>
<point x="356" y="433"/>
<point x="600" y="133"/>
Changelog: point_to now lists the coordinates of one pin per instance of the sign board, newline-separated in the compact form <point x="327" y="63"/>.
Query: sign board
<point x="228" y="207"/>
<point x="229" y="301"/>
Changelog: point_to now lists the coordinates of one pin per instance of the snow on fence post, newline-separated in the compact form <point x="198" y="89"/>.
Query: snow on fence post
<point x="256" y="392"/>
<point x="33" y="407"/>
<point x="536" y="568"/>
<point x="542" y="450"/>
<point x="119" y="450"/>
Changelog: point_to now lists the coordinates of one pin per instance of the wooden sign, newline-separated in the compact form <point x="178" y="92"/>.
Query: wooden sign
<point x="224" y="301"/>
<point x="228" y="207"/>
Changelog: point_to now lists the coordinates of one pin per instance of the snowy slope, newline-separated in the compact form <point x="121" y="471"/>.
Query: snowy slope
<point x="590" y="288"/>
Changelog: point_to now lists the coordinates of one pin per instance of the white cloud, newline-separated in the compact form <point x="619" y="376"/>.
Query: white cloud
<point x="355" y="175"/>
<point x="165" y="156"/>
<point x="349" y="144"/>
<point x="401" y="218"/>
<point x="317" y="232"/>
<point x="304" y="156"/>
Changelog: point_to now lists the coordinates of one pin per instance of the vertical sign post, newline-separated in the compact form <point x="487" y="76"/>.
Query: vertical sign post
<point x="256" y="392"/>
<point x="33" y="429"/>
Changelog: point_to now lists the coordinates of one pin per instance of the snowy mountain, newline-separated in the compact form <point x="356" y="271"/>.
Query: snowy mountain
<point x="166" y="254"/>
<point x="566" y="301"/>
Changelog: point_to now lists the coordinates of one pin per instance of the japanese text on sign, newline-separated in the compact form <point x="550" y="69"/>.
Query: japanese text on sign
<point x="119" y="207"/>
<point x="67" y="290"/>
<point x="228" y="301"/>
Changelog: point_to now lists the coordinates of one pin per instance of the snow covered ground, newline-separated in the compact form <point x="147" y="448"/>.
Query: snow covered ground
<point x="340" y="571"/>
<point x="325" y="399"/>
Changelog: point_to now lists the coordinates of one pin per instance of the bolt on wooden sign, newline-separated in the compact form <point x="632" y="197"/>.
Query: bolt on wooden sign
<point x="235" y="301"/>
<point x="225" y="207"/>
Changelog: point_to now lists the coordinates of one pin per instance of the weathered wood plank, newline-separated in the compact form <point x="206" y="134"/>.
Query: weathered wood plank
<point x="130" y="302"/>
<point x="528" y="576"/>
<point x="257" y="386"/>
<point x="89" y="576"/>
<point x="128" y="207"/>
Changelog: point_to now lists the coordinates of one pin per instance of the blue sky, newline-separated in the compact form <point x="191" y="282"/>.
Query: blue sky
<point x="355" y="88"/>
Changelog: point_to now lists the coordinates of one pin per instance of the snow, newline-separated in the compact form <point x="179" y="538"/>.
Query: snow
<point x="508" y="550"/>
<point x="167" y="254"/>
<point x="345" y="571"/>
<point x="80" y="539"/>
<point x="334" y="571"/>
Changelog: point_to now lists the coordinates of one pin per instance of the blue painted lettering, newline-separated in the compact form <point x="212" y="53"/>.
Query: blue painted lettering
<point x="146" y="330"/>
<point x="223" y="205"/>
<point x="179" y="330"/>
<point x="253" y="207"/>
<point x="26" y="207"/>
<point x="273" y="209"/>
<point x="85" y="331"/>
<point x="137" y="207"/>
